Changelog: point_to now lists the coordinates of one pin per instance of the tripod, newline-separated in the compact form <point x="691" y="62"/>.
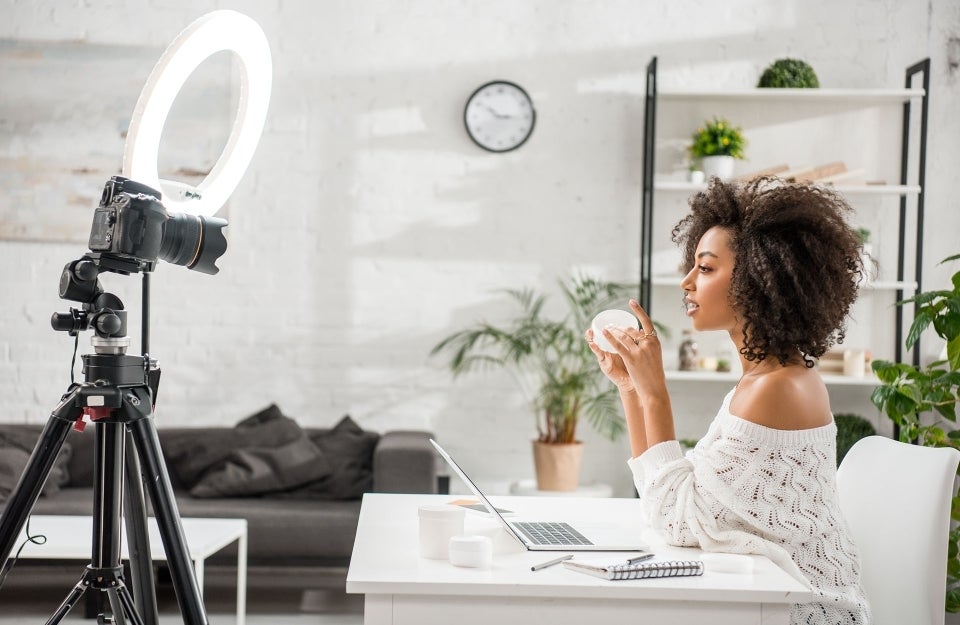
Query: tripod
<point x="117" y="397"/>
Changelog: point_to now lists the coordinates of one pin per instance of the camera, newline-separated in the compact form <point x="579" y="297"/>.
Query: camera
<point x="131" y="223"/>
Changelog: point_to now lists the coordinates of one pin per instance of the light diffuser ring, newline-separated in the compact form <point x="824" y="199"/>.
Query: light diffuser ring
<point x="209" y="34"/>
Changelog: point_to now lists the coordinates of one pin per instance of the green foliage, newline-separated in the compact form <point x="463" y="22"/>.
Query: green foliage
<point x="850" y="429"/>
<point x="789" y="73"/>
<point x="718" y="137"/>
<point x="907" y="392"/>
<point x="569" y="382"/>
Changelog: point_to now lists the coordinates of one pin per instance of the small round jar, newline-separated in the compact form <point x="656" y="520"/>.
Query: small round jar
<point x="471" y="551"/>
<point x="613" y="317"/>
<point x="438" y="524"/>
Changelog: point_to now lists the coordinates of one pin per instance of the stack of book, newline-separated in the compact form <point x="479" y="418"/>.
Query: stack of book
<point x="828" y="174"/>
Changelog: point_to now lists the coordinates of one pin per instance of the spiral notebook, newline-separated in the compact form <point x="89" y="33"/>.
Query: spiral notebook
<point x="640" y="570"/>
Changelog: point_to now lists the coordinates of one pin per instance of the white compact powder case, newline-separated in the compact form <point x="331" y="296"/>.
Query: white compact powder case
<point x="613" y="317"/>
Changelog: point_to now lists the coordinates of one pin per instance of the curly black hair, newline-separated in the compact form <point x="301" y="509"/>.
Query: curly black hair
<point x="797" y="266"/>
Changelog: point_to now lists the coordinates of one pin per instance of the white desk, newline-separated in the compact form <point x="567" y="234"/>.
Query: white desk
<point x="403" y="589"/>
<point x="69" y="538"/>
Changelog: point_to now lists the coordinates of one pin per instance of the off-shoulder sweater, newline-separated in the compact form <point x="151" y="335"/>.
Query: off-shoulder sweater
<point x="746" y="488"/>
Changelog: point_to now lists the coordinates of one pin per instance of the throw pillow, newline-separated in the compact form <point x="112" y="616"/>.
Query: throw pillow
<point x="349" y="450"/>
<point x="15" y="452"/>
<point x="191" y="456"/>
<point x="264" y="470"/>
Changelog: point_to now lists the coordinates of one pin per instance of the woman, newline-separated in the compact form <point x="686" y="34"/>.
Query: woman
<point x="777" y="267"/>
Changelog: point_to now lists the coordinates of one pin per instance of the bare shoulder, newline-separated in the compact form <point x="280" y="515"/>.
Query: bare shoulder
<point x="787" y="398"/>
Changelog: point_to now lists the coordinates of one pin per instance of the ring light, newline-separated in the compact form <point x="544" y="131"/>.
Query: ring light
<point x="211" y="33"/>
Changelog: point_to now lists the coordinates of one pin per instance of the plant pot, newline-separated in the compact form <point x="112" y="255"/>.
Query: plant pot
<point x="557" y="465"/>
<point x="719" y="166"/>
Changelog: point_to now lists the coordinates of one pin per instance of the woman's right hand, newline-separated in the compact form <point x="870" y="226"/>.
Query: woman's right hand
<point x="611" y="365"/>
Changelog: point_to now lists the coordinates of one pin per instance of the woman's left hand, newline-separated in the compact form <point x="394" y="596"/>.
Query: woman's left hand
<point x="642" y="356"/>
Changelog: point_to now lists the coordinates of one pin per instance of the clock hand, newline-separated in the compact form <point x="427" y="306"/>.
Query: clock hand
<point x="496" y="113"/>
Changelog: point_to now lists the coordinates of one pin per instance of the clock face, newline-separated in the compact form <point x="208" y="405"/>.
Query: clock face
<point x="499" y="116"/>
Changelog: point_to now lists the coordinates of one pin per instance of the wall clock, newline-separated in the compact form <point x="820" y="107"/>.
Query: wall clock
<point x="499" y="116"/>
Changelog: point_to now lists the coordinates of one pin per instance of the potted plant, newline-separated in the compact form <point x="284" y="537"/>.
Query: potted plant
<point x="717" y="143"/>
<point x="568" y="383"/>
<point x="920" y="400"/>
<point x="869" y="264"/>
<point x="789" y="74"/>
<point x="850" y="429"/>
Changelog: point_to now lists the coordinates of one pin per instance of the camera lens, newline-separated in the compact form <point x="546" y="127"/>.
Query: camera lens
<point x="193" y="241"/>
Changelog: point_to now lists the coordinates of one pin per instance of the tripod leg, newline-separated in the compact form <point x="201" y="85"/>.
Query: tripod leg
<point x="168" y="519"/>
<point x="116" y="607"/>
<point x="69" y="602"/>
<point x="138" y="539"/>
<point x="25" y="494"/>
<point x="125" y="599"/>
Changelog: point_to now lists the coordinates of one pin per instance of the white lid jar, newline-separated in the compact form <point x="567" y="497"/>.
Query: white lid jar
<point x="471" y="551"/>
<point x="438" y="524"/>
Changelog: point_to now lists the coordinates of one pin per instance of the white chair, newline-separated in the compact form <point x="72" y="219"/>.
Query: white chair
<point x="896" y="499"/>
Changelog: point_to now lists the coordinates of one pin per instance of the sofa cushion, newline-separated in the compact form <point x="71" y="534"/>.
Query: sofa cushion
<point x="349" y="450"/>
<point x="15" y="449"/>
<point x="191" y="455"/>
<point x="260" y="470"/>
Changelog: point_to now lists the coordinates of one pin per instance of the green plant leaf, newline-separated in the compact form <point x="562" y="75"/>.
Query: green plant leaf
<point x="926" y="297"/>
<point x="920" y="323"/>
<point x="953" y="353"/>
<point x="888" y="372"/>
<point x="947" y="324"/>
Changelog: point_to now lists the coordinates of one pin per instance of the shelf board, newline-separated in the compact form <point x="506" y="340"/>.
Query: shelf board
<point x="864" y="96"/>
<point x="830" y="379"/>
<point x="845" y="189"/>
<point x="874" y="285"/>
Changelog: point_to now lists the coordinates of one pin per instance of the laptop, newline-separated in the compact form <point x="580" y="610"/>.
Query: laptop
<point x="554" y="535"/>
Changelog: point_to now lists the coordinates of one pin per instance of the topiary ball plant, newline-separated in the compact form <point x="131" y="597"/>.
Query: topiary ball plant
<point x="789" y="73"/>
<point x="850" y="429"/>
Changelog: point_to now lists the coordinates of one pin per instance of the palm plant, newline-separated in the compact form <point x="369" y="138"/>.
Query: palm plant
<point x="552" y="353"/>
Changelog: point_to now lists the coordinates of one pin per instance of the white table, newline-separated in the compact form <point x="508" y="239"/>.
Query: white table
<point x="69" y="538"/>
<point x="403" y="589"/>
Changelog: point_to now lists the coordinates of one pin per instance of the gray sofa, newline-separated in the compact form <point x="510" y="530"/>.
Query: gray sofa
<point x="299" y="489"/>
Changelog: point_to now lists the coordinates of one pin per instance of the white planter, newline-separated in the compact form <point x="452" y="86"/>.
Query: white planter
<point x="719" y="166"/>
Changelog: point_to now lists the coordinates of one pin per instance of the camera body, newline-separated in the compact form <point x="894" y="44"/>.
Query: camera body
<point x="132" y="224"/>
<point x="128" y="223"/>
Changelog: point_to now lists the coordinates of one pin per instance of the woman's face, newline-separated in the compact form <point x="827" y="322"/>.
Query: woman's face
<point x="707" y="286"/>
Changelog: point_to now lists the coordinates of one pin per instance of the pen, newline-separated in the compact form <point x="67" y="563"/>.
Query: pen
<point x="543" y="565"/>
<point x="645" y="556"/>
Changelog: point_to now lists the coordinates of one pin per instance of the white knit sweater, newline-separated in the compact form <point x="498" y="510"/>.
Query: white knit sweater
<point x="747" y="488"/>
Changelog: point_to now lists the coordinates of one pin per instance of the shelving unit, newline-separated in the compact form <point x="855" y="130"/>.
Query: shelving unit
<point x="731" y="378"/>
<point x="813" y="102"/>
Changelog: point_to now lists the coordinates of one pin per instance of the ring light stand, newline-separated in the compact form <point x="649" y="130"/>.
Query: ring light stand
<point x="119" y="390"/>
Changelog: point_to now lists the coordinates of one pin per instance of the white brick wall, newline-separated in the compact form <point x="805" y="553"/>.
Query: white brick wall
<point x="369" y="226"/>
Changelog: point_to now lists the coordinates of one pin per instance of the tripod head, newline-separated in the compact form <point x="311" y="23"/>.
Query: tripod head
<point x="102" y="312"/>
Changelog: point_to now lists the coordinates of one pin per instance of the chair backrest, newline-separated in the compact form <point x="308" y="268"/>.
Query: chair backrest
<point x="896" y="500"/>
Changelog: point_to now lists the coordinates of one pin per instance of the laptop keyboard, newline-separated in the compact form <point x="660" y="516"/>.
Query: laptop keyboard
<point x="550" y="533"/>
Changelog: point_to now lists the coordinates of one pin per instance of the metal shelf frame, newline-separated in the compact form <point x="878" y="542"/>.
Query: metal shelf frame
<point x="909" y="96"/>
